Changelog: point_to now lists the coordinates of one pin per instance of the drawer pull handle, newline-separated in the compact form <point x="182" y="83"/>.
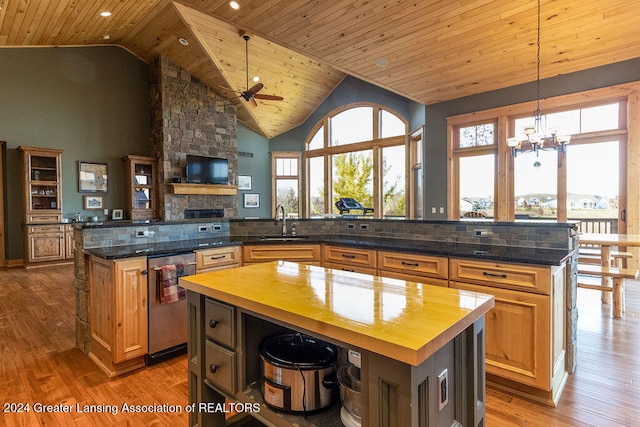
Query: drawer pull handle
<point x="410" y="264"/>
<point x="502" y="276"/>
<point x="213" y="323"/>
<point x="348" y="269"/>
<point x="348" y="256"/>
<point x="213" y="368"/>
<point x="219" y="257"/>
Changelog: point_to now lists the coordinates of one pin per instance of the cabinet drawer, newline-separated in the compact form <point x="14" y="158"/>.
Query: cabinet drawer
<point x="40" y="218"/>
<point x="510" y="276"/>
<point x="350" y="256"/>
<point x="353" y="268"/>
<point x="218" y="257"/>
<point x="219" y="323"/>
<point x="414" y="278"/>
<point x="42" y="229"/>
<point x="220" y="366"/>
<point x="266" y="253"/>
<point x="420" y="265"/>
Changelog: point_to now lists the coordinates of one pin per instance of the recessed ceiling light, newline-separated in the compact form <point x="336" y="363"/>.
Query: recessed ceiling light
<point x="234" y="5"/>
<point x="256" y="79"/>
<point x="183" y="41"/>
<point x="105" y="13"/>
<point x="382" y="62"/>
<point x="106" y="37"/>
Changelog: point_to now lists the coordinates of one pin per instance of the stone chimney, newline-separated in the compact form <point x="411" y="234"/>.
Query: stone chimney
<point x="187" y="117"/>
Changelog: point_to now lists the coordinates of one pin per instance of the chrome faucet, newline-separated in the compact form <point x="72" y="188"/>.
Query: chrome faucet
<point x="280" y="207"/>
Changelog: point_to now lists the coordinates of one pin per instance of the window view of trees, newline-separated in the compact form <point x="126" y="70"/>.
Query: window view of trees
<point x="286" y="183"/>
<point x="366" y="144"/>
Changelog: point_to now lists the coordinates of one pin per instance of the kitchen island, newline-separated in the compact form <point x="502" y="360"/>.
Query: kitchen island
<point x="421" y="346"/>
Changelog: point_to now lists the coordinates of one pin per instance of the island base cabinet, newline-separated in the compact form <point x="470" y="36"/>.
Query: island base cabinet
<point x="118" y="310"/>
<point x="446" y="389"/>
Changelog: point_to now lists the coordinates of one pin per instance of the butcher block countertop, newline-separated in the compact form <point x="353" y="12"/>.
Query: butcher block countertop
<point x="402" y="320"/>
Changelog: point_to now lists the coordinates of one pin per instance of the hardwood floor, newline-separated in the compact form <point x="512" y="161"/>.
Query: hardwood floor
<point x="39" y="364"/>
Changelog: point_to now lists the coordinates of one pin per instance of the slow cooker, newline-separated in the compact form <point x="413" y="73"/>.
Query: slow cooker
<point x="298" y="372"/>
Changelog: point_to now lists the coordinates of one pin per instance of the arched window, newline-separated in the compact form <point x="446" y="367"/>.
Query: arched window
<point x="357" y="151"/>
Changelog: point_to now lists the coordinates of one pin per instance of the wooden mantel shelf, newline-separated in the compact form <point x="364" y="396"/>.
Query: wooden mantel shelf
<point x="205" y="189"/>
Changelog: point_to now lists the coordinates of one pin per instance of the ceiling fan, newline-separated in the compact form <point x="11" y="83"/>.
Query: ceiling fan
<point x="251" y="94"/>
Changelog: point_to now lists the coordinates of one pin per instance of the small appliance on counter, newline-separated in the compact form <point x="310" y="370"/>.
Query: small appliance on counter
<point x="298" y="372"/>
<point x="350" y="391"/>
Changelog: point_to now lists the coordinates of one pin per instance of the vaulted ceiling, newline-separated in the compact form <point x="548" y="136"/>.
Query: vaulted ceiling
<point x="427" y="50"/>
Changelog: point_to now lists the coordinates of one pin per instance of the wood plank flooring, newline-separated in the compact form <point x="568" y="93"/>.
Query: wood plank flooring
<point x="39" y="364"/>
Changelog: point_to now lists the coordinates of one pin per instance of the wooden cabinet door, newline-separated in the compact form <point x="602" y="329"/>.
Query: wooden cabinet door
<point x="131" y="329"/>
<point x="45" y="243"/>
<point x="69" y="243"/>
<point x="517" y="335"/>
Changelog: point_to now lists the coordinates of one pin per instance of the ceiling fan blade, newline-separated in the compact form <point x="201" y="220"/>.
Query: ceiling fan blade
<point x="255" y="88"/>
<point x="269" y="97"/>
<point x="253" y="103"/>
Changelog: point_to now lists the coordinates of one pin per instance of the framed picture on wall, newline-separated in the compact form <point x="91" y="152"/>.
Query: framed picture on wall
<point x="92" y="177"/>
<point x="251" y="200"/>
<point x="116" y="214"/>
<point x="244" y="182"/>
<point x="93" y="202"/>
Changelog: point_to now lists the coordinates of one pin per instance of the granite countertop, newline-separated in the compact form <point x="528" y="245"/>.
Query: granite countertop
<point x="539" y="256"/>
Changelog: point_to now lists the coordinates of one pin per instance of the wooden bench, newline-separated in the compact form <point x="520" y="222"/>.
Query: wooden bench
<point x="594" y="256"/>
<point x="617" y="274"/>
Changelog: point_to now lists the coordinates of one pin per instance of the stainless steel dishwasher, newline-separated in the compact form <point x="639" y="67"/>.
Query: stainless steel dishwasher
<point x="167" y="322"/>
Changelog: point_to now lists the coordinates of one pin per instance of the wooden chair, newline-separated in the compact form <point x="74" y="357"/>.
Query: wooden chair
<point x="473" y="214"/>
<point x="618" y="275"/>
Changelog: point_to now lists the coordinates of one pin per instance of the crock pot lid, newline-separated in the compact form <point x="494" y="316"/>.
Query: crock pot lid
<point x="299" y="349"/>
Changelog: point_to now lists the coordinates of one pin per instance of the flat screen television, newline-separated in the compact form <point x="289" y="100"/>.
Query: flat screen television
<point x="207" y="170"/>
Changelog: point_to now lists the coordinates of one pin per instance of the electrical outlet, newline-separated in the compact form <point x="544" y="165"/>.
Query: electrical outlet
<point x="433" y="209"/>
<point x="443" y="389"/>
<point x="364" y="226"/>
<point x="142" y="233"/>
<point x="351" y="226"/>
<point x="441" y="209"/>
<point x="203" y="228"/>
<point x="481" y="232"/>
<point x="217" y="227"/>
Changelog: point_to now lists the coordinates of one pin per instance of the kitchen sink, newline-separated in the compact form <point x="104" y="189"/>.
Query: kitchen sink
<point x="282" y="238"/>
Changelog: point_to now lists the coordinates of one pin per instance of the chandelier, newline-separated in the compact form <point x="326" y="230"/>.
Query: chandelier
<point x="536" y="134"/>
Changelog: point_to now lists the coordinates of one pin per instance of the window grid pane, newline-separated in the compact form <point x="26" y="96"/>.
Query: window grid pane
<point x="477" y="136"/>
<point x="477" y="185"/>
<point x="391" y="125"/>
<point x="353" y="125"/>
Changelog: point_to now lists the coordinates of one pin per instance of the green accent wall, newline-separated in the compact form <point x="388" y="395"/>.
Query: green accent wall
<point x="91" y="102"/>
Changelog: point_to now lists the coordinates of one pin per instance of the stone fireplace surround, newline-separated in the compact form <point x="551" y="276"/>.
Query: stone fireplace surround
<point x="187" y="117"/>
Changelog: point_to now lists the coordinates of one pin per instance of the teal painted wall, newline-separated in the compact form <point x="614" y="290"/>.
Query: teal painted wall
<point x="90" y="102"/>
<point x="254" y="160"/>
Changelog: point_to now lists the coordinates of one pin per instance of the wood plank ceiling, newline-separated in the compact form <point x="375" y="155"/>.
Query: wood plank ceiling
<point x="428" y="51"/>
